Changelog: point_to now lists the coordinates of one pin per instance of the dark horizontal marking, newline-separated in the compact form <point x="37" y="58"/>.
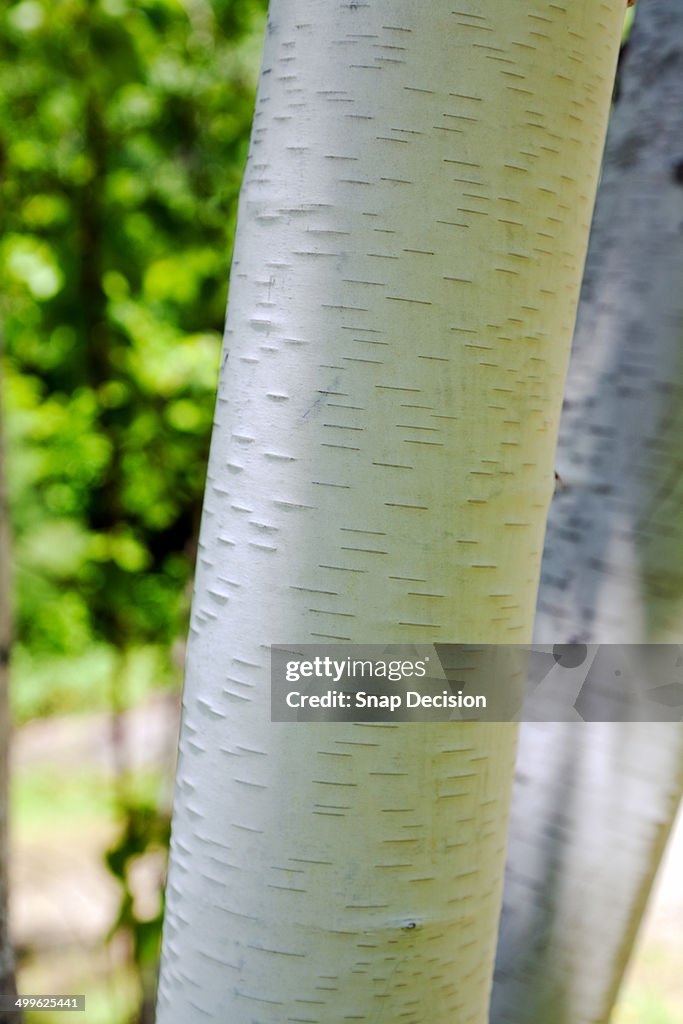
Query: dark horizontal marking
<point x="340" y="426"/>
<point x="359" y="359"/>
<point x="309" y="860"/>
<point x="365" y="330"/>
<point x="278" y="952"/>
<point x="354" y="280"/>
<point x="330" y="636"/>
<point x="480" y="28"/>
<point x="366" y="551"/>
<point x="398" y="504"/>
<point x="391" y="465"/>
<point x="345" y="447"/>
<point x="432" y="444"/>
<point x="325" y="611"/>
<point x="462" y="95"/>
<point x="420" y="252"/>
<point x="467" y="14"/>
<point x="407" y="131"/>
<point x="259" y="999"/>
<point x="392" y="387"/>
<point x="415" y="593"/>
<point x="421" y="625"/>
<point x="372" y="533"/>
<point x="340" y="568"/>
<point x="323" y="483"/>
<point x="436" y="359"/>
<point x="452" y="223"/>
<point x="401" y="298"/>
<point x="414" y="426"/>
<point x="328" y="782"/>
<point x="460" y="280"/>
<point x="398" y="181"/>
<point x="314" y="590"/>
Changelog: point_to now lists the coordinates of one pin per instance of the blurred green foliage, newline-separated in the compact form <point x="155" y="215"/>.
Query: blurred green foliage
<point x="123" y="133"/>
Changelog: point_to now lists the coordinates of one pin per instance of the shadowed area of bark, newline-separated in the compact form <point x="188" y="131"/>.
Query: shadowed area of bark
<point x="612" y="570"/>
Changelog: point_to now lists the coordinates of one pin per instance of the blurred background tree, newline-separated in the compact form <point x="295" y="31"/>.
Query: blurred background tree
<point x="123" y="132"/>
<point x="124" y="128"/>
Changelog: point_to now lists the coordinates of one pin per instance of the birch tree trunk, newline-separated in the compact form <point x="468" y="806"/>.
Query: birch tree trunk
<point x="593" y="804"/>
<point x="411" y="236"/>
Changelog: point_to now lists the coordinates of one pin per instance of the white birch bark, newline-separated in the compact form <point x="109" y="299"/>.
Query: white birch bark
<point x="593" y="804"/>
<point x="411" y="236"/>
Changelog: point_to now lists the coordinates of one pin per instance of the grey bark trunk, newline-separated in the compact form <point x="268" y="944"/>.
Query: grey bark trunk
<point x="593" y="804"/>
